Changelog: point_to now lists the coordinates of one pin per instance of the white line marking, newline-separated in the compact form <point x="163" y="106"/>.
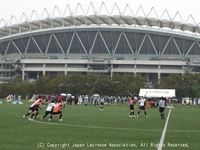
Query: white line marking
<point x="164" y="132"/>
<point x="96" y="127"/>
<point x="93" y="127"/>
<point x="192" y="131"/>
<point x="153" y="130"/>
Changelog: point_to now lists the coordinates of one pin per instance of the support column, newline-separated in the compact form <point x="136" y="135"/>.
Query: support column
<point x="147" y="77"/>
<point x="23" y="73"/>
<point x="44" y="72"/>
<point x="159" y="74"/>
<point x="38" y="76"/>
<point x="65" y="69"/>
<point x="135" y="68"/>
<point x="111" y="71"/>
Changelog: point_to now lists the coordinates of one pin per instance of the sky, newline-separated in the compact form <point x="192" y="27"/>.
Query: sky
<point x="9" y="8"/>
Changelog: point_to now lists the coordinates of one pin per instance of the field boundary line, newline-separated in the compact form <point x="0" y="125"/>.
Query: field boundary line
<point x="164" y="131"/>
<point x="93" y="127"/>
<point x="98" y="127"/>
<point x="192" y="131"/>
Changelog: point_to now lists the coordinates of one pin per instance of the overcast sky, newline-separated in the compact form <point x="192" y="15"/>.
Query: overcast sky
<point x="18" y="7"/>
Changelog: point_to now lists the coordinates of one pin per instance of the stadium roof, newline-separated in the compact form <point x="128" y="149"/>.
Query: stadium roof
<point x="92" y="17"/>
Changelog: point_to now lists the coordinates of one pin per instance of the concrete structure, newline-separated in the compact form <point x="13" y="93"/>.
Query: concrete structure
<point x="99" y="42"/>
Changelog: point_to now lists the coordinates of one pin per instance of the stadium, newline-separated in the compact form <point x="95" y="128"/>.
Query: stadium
<point x="98" y="41"/>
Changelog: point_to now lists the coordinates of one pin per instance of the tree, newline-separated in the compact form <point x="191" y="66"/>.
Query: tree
<point x="187" y="85"/>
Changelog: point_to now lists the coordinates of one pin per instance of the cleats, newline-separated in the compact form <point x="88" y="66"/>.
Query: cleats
<point x="31" y="119"/>
<point x="60" y="120"/>
<point x="132" y="116"/>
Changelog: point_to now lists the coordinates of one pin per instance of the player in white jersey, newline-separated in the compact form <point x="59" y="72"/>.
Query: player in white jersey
<point x="142" y="106"/>
<point x="162" y="105"/>
<point x="49" y="109"/>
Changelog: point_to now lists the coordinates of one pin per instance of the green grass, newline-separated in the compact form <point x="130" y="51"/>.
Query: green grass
<point x="87" y="126"/>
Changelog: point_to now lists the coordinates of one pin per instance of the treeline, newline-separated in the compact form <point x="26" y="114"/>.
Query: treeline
<point x="185" y="85"/>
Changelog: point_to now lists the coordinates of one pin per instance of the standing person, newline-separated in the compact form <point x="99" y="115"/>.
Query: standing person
<point x="75" y="100"/>
<point x="95" y="101"/>
<point x="86" y="100"/>
<point x="198" y="102"/>
<point x="142" y="106"/>
<point x="19" y="97"/>
<point x="132" y="102"/>
<point x="194" y="101"/>
<point x="101" y="103"/>
<point x="162" y="105"/>
<point x="60" y="98"/>
<point x="55" y="98"/>
<point x="70" y="100"/>
<point x="183" y="102"/>
<point x="57" y="110"/>
<point x="49" y="109"/>
<point x="9" y="99"/>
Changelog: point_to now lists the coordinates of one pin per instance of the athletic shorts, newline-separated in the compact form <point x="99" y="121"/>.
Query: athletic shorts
<point x="102" y="103"/>
<point x="142" y="107"/>
<point x="161" y="109"/>
<point x="48" y="112"/>
<point x="131" y="107"/>
<point x="59" y="112"/>
<point x="35" y="108"/>
<point x="31" y="108"/>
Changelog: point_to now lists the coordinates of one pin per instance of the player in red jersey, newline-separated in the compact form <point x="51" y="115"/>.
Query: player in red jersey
<point x="132" y="102"/>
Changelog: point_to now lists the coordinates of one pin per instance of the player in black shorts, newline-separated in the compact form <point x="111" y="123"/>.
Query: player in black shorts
<point x="132" y="102"/>
<point x="142" y="106"/>
<point x="101" y="103"/>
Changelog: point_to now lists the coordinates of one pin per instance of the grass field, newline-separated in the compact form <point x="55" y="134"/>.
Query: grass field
<point x="86" y="127"/>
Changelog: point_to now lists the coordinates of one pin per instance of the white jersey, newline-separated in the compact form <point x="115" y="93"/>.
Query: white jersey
<point x="194" y="102"/>
<point x="32" y="105"/>
<point x="142" y="102"/>
<point x="102" y="100"/>
<point x="183" y="101"/>
<point x="50" y="106"/>
<point x="198" y="101"/>
<point x="162" y="103"/>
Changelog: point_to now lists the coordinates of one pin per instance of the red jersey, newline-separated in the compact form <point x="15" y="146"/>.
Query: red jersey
<point x="60" y="98"/>
<point x="132" y="101"/>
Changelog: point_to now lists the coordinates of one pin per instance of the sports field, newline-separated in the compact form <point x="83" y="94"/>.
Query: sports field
<point x="86" y="127"/>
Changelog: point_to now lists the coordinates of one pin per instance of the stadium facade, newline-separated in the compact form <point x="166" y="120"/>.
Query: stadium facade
<point x="99" y="42"/>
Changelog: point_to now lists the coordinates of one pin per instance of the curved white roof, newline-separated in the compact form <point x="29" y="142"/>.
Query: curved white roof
<point x="99" y="17"/>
